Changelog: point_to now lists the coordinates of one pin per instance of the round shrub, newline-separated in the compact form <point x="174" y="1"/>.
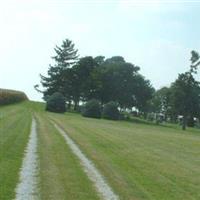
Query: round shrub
<point x="56" y="103"/>
<point x="110" y="111"/>
<point x="92" y="109"/>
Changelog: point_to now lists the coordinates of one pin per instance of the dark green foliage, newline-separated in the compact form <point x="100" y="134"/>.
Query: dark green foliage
<point x="111" y="79"/>
<point x="185" y="97"/>
<point x="190" y="121"/>
<point x="60" y="77"/>
<point x="92" y="109"/>
<point x="185" y="93"/>
<point x="56" y="103"/>
<point x="11" y="96"/>
<point x="143" y="93"/>
<point x="110" y="111"/>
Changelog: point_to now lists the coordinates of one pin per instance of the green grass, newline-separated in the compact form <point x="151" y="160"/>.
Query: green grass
<point x="15" y="123"/>
<point x="61" y="176"/>
<point x="60" y="173"/>
<point x="140" y="161"/>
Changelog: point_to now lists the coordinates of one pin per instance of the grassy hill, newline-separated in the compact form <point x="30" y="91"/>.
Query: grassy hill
<point x="138" y="160"/>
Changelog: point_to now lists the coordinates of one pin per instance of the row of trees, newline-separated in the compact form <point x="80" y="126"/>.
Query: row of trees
<point x="114" y="79"/>
<point x="86" y="78"/>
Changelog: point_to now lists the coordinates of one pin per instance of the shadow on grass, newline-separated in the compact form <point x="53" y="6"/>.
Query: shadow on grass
<point x="150" y="123"/>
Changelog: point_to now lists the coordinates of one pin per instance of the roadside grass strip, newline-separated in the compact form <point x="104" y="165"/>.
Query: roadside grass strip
<point x="27" y="186"/>
<point x="14" y="135"/>
<point x="61" y="174"/>
<point x="94" y="175"/>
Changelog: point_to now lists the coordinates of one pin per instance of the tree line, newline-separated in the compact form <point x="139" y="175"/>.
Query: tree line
<point x="85" y="78"/>
<point x="80" y="79"/>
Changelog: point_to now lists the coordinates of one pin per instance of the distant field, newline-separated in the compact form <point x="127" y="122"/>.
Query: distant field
<point x="139" y="161"/>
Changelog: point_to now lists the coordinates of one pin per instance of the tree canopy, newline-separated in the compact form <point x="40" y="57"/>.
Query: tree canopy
<point x="81" y="79"/>
<point x="86" y="78"/>
<point x="185" y="96"/>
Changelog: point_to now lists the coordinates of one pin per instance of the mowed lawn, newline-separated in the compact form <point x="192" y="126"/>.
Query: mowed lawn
<point x="139" y="161"/>
<point x="15" y="122"/>
<point x="60" y="173"/>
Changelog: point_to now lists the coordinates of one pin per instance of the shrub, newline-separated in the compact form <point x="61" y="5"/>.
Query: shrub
<point x="11" y="96"/>
<point x="110" y="111"/>
<point x="92" y="109"/>
<point x="56" y="103"/>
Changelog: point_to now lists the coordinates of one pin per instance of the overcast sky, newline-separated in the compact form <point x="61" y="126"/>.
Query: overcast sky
<point x="157" y="35"/>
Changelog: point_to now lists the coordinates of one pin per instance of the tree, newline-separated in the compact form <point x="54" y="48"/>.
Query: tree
<point x="106" y="80"/>
<point x="59" y="74"/>
<point x="186" y="92"/>
<point x="117" y="81"/>
<point x="66" y="55"/>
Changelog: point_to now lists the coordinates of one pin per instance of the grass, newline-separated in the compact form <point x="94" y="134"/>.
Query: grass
<point x="60" y="173"/>
<point x="140" y="161"/>
<point x="61" y="176"/>
<point x="15" y="123"/>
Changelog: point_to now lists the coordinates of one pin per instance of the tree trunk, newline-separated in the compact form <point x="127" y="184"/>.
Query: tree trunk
<point x="184" y="123"/>
<point x="76" y="104"/>
<point x="190" y="121"/>
<point x="69" y="105"/>
<point x="145" y="115"/>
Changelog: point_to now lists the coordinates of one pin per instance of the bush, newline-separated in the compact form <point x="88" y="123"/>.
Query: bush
<point x="92" y="109"/>
<point x="11" y="96"/>
<point x="110" y="111"/>
<point x="56" y="103"/>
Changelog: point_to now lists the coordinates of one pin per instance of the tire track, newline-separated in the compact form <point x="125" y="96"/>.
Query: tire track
<point x="27" y="186"/>
<point x="94" y="175"/>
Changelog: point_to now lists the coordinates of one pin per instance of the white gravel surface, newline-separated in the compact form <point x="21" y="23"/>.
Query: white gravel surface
<point x="94" y="175"/>
<point x="27" y="186"/>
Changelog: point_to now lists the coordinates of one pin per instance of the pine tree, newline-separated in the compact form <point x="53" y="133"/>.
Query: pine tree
<point x="59" y="73"/>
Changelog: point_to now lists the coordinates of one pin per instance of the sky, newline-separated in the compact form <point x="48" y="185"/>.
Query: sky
<point x="156" y="35"/>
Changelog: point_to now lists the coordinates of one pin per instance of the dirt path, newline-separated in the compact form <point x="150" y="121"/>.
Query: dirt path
<point x="27" y="186"/>
<point x="94" y="175"/>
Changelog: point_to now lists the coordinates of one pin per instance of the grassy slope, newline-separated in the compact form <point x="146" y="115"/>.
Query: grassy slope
<point x="15" y="123"/>
<point x="140" y="161"/>
<point x="61" y="175"/>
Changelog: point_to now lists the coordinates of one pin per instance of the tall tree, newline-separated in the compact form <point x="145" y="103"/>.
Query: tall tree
<point x="66" y="55"/>
<point x="186" y="92"/>
<point x="117" y="81"/>
<point x="59" y="74"/>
